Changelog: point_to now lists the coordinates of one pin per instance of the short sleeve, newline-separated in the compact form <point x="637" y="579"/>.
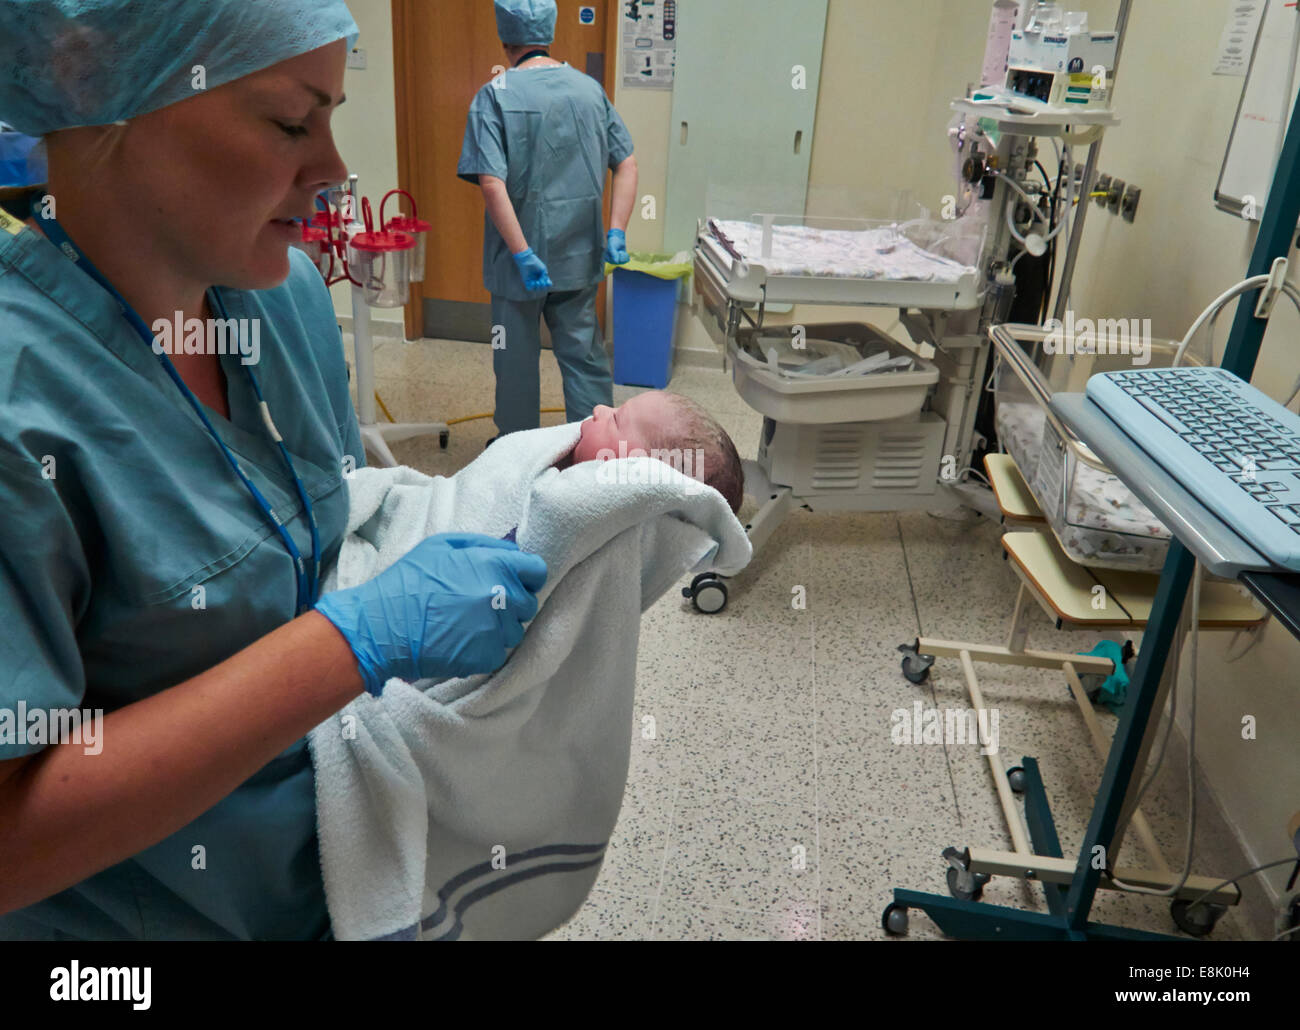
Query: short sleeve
<point x="484" y="150"/>
<point x="618" y="139"/>
<point x="44" y="586"/>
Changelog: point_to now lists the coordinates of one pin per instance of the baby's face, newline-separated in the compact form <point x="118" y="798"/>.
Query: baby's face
<point x="647" y="416"/>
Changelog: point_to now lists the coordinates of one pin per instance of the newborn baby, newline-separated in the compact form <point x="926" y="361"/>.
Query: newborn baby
<point x="669" y="427"/>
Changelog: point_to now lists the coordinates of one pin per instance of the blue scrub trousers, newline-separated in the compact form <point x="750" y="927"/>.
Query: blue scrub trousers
<point x="578" y="345"/>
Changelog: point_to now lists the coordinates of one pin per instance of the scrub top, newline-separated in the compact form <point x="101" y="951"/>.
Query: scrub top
<point x="132" y="558"/>
<point x="549" y="133"/>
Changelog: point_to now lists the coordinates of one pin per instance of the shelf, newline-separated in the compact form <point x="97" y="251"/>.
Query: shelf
<point x="1044" y="122"/>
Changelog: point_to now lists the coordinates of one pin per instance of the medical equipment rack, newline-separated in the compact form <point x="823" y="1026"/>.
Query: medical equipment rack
<point x="1069" y="906"/>
<point x="949" y="317"/>
<point x="376" y="435"/>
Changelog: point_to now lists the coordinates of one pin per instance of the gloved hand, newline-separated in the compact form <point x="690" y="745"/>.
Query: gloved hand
<point x="452" y="606"/>
<point x="616" y="247"/>
<point x="532" y="270"/>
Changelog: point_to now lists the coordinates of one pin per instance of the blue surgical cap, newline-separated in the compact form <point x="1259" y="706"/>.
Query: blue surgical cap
<point x="65" y="63"/>
<point x="520" y="22"/>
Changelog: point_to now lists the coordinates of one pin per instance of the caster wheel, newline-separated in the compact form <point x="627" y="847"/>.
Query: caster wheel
<point x="703" y="577"/>
<point x="1198" y="921"/>
<point x="966" y="886"/>
<point x="1291" y="924"/>
<point x="916" y="667"/>
<point x="711" y="597"/>
<point x="962" y="883"/>
<point x="444" y="438"/>
<point x="894" y="919"/>
<point x="1091" y="683"/>
<point x="707" y="592"/>
<point x="1016" y="777"/>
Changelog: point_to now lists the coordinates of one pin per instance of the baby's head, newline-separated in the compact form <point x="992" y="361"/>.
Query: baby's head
<point x="666" y="422"/>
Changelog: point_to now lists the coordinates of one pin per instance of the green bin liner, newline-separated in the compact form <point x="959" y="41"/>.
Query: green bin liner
<point x="661" y="266"/>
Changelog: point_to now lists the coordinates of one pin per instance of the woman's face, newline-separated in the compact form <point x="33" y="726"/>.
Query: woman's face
<point x="215" y="178"/>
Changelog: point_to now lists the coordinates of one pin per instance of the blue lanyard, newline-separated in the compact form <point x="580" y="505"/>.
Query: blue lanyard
<point x="308" y="580"/>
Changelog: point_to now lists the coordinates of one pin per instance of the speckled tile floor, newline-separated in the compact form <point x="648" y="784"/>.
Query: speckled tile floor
<point x="771" y="802"/>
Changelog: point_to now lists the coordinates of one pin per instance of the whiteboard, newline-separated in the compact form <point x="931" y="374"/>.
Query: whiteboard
<point x="1263" y="114"/>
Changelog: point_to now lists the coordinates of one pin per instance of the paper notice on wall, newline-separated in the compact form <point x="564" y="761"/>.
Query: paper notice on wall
<point x="1238" y="39"/>
<point x="649" y="43"/>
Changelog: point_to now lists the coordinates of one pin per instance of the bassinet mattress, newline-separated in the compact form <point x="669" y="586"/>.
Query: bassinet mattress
<point x="841" y="253"/>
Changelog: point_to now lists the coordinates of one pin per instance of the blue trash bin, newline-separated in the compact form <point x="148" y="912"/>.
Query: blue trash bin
<point x="645" y="308"/>
<point x="22" y="160"/>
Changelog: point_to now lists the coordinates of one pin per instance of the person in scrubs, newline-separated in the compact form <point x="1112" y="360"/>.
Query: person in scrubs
<point x="168" y="517"/>
<point x="537" y="142"/>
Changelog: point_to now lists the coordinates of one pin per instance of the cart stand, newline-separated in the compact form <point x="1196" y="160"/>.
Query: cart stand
<point x="1063" y="591"/>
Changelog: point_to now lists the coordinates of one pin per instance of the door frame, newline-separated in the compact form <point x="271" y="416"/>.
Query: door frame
<point x="404" y="89"/>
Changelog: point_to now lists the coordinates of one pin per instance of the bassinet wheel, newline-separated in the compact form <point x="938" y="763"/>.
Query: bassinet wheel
<point x="1016" y="778"/>
<point x="707" y="592"/>
<point x="702" y="577"/>
<point x="444" y="438"/>
<point x="710" y="597"/>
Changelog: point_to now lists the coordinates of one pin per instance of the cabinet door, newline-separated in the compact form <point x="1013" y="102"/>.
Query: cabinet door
<point x="744" y="103"/>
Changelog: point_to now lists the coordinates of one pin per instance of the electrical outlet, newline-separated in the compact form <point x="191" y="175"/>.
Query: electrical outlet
<point x="1129" y="204"/>
<point x="357" y="59"/>
<point x="1102" y="187"/>
<point x="1112" y="197"/>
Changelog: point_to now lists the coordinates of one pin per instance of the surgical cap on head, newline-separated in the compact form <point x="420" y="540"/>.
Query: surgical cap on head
<point x="65" y="63"/>
<point x="525" y="21"/>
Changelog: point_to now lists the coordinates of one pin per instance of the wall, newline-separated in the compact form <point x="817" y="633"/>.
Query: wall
<point x="365" y="128"/>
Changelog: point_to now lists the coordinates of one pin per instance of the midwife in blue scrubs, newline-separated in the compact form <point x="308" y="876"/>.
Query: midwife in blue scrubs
<point x="538" y="140"/>
<point x="167" y="520"/>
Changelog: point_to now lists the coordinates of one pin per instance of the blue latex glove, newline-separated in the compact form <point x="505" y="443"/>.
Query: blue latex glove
<point x="616" y="247"/>
<point x="532" y="270"/>
<point x="452" y="606"/>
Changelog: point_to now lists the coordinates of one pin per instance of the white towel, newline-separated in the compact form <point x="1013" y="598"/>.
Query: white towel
<point x="480" y="808"/>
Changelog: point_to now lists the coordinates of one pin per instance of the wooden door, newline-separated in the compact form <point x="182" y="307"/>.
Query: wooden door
<point x="443" y="53"/>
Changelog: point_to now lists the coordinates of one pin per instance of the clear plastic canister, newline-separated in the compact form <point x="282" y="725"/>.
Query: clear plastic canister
<point x="380" y="261"/>
<point x="315" y="244"/>
<point x="418" y="228"/>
